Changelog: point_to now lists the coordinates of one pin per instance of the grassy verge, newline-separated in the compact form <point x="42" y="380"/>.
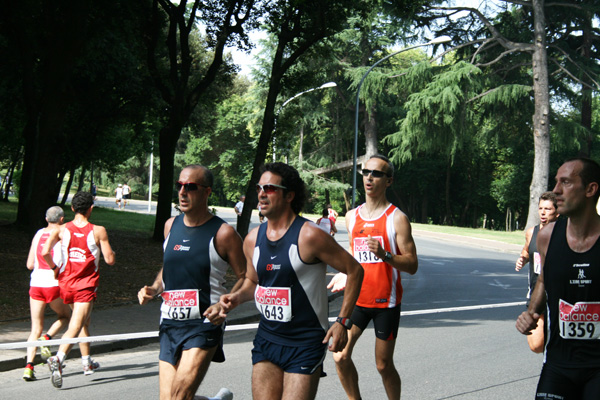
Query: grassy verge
<point x="109" y="218"/>
<point x="515" y="237"/>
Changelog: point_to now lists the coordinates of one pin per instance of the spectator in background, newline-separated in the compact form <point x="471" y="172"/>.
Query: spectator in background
<point x="327" y="223"/>
<point x="239" y="207"/>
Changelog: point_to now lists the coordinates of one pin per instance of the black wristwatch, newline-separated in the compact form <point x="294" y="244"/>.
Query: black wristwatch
<point x="388" y="256"/>
<point x="345" y="322"/>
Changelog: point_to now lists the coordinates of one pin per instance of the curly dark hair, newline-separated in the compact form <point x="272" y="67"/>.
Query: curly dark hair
<point x="82" y="201"/>
<point x="290" y="178"/>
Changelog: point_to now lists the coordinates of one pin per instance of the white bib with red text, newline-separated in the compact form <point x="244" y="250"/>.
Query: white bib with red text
<point x="274" y="303"/>
<point x="362" y="254"/>
<point x="180" y="304"/>
<point x="579" y="321"/>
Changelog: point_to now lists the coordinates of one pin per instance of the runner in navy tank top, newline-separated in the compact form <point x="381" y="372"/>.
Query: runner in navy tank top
<point x="286" y="276"/>
<point x="569" y="285"/>
<point x="198" y="249"/>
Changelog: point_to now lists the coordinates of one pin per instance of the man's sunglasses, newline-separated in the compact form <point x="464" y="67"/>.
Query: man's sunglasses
<point x="188" y="186"/>
<point x="268" y="188"/>
<point x="374" y="173"/>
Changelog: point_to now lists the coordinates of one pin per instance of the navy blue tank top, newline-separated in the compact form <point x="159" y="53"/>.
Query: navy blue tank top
<point x="291" y="294"/>
<point x="532" y="249"/>
<point x="191" y="260"/>
<point x="572" y="282"/>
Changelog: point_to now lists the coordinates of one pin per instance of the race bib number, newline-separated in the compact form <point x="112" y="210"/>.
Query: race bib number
<point x="362" y="254"/>
<point x="537" y="263"/>
<point x="274" y="303"/>
<point x="180" y="305"/>
<point x="579" y="321"/>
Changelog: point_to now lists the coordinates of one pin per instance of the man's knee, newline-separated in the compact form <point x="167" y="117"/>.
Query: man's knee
<point x="385" y="365"/>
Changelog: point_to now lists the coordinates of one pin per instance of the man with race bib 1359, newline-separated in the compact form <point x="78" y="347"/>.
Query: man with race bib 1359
<point x="569" y="285"/>
<point x="199" y="247"/>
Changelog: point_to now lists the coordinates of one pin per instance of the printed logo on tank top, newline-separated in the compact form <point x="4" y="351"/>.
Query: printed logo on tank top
<point x="76" y="254"/>
<point x="273" y="267"/>
<point x="581" y="280"/>
<point x="179" y="247"/>
<point x="79" y="235"/>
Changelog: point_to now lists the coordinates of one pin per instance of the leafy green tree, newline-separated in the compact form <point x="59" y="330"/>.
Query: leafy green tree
<point x="66" y="57"/>
<point x="296" y="27"/>
<point x="183" y="73"/>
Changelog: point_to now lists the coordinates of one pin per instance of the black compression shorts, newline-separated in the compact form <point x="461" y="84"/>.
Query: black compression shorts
<point x="385" y="320"/>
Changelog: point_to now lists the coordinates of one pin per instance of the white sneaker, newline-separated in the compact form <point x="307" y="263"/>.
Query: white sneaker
<point x="56" y="371"/>
<point x="90" y="367"/>
<point x="224" y="394"/>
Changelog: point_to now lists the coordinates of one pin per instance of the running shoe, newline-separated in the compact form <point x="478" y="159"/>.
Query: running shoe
<point x="29" y="375"/>
<point x="56" y="371"/>
<point x="224" y="394"/>
<point x="90" y="367"/>
<point x="44" y="350"/>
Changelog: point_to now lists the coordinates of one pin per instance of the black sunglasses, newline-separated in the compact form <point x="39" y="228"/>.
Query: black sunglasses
<point x="268" y="188"/>
<point x="375" y="173"/>
<point x="188" y="186"/>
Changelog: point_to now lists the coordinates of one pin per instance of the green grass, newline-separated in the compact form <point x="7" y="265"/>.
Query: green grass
<point x="143" y="223"/>
<point x="109" y="218"/>
<point x="515" y="237"/>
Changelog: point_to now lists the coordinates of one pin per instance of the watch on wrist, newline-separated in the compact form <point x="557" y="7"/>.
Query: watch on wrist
<point x="345" y="322"/>
<point x="388" y="256"/>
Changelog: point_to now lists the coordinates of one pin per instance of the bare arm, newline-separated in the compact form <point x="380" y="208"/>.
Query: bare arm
<point x="245" y="292"/>
<point x="147" y="293"/>
<point x="527" y="321"/>
<point x="229" y="245"/>
<point x="102" y="238"/>
<point x="407" y="260"/>
<point x="318" y="245"/>
<point x="524" y="257"/>
<point x="32" y="255"/>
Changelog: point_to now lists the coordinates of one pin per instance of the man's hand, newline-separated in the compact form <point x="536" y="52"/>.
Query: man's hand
<point x="527" y="322"/>
<point x="338" y="282"/>
<point x="215" y="314"/>
<point x="228" y="302"/>
<point x="520" y="263"/>
<point x="146" y="294"/>
<point x="339" y="337"/>
<point x="375" y="247"/>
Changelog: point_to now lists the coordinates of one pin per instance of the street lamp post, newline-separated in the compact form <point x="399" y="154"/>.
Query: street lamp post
<point x="323" y="86"/>
<point x="438" y="40"/>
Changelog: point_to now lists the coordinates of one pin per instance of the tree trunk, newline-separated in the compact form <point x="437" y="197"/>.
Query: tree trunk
<point x="300" y="157"/>
<point x="586" y="92"/>
<point x="371" y="132"/>
<point x="448" y="219"/>
<point x="167" y="143"/>
<point x="68" y="187"/>
<point x="541" y="129"/>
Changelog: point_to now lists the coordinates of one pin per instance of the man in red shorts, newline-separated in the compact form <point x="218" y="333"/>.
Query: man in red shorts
<point x="44" y="290"/>
<point x="78" y="277"/>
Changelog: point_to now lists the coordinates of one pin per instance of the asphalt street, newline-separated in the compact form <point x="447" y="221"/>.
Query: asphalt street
<point x="457" y="340"/>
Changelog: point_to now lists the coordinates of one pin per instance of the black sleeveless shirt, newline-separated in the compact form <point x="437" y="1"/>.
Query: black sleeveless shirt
<point x="572" y="282"/>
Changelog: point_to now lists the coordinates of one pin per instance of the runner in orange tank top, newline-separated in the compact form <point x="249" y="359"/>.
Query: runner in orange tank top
<point x="381" y="240"/>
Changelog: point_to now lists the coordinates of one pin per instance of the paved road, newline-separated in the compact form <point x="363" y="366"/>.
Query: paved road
<point x="450" y="346"/>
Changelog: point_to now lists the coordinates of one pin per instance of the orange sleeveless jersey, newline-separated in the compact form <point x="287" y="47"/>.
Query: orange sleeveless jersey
<point x="381" y="286"/>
